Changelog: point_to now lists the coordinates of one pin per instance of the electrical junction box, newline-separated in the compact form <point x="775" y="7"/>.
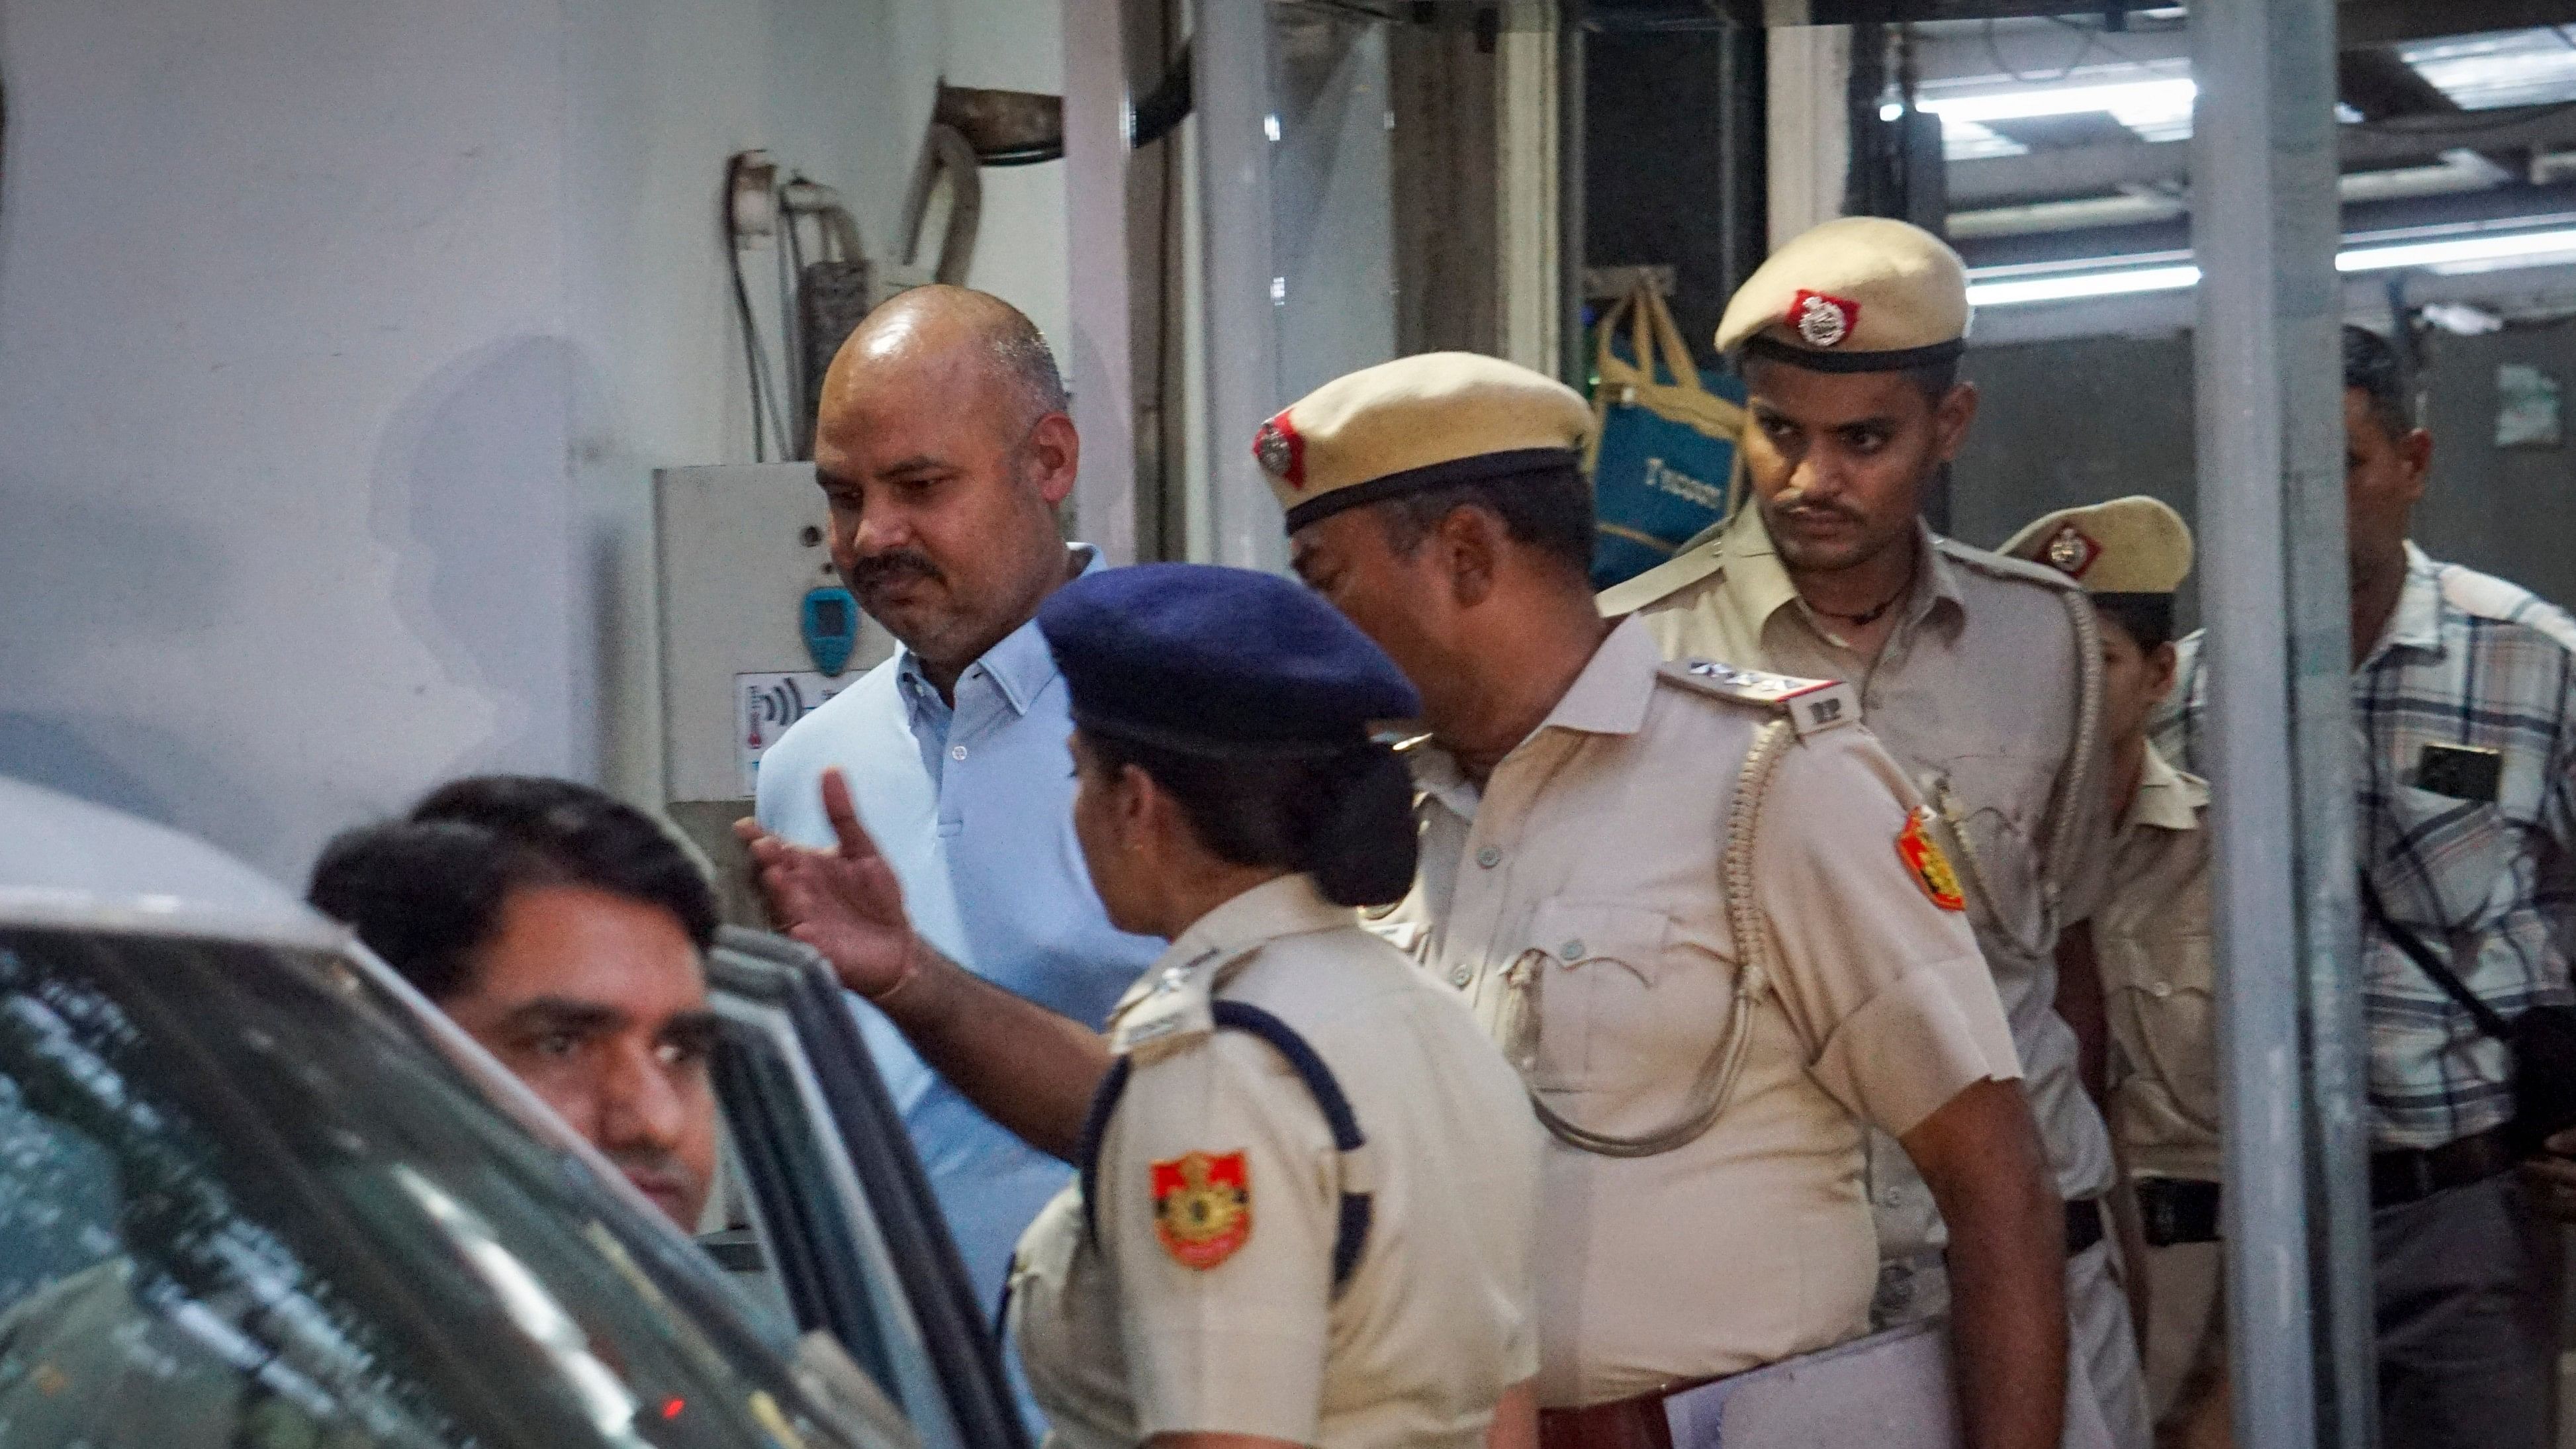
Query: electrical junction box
<point x="750" y="615"/>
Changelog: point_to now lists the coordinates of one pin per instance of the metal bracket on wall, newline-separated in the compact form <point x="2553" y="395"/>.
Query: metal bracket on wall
<point x="1605" y="283"/>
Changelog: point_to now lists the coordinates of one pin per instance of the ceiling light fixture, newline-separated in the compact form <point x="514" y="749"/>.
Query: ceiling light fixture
<point x="2010" y="286"/>
<point x="2147" y="99"/>
<point x="2071" y="286"/>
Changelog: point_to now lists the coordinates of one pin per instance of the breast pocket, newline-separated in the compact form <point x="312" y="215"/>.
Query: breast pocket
<point x="1602" y="970"/>
<point x="2466" y="852"/>
<point x="2168" y="994"/>
<point x="1998" y="805"/>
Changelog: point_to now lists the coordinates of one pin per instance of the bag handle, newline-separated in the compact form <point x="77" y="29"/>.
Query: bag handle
<point x="2489" y="1020"/>
<point x="1602" y="356"/>
<point x="1654" y="340"/>
<point x="1668" y="339"/>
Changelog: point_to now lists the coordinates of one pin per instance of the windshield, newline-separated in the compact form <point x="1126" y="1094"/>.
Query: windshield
<point x="243" y="1203"/>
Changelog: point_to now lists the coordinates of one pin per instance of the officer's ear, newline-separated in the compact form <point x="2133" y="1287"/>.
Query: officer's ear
<point x="1951" y="415"/>
<point x="1471" y="542"/>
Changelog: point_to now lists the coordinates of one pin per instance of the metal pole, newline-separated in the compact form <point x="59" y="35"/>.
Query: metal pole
<point x="1231" y="60"/>
<point x="1098" y="348"/>
<point x="2273" y="591"/>
<point x="1574" y="358"/>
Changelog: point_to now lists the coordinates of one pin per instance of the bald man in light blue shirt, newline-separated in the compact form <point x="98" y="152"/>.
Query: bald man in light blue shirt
<point x="944" y="449"/>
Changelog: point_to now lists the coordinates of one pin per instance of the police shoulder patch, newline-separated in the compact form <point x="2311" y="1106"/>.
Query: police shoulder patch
<point x="1931" y="866"/>
<point x="1810" y="705"/>
<point x="1202" y="1207"/>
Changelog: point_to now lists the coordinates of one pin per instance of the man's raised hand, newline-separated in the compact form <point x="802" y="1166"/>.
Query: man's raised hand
<point x="844" y="902"/>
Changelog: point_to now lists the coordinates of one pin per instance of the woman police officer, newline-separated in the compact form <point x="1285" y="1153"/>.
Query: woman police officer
<point x="1307" y="1180"/>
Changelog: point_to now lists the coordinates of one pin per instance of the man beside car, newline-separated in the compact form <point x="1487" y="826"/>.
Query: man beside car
<point x="564" y="931"/>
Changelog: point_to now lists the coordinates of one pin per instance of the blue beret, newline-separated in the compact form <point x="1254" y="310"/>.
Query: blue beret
<point x="1218" y="661"/>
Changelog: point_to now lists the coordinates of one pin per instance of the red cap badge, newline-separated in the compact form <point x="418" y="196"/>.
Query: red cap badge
<point x="2070" y="552"/>
<point x="1280" y="451"/>
<point x="1822" y="321"/>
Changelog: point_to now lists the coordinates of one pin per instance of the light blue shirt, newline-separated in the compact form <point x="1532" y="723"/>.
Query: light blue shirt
<point x="972" y="805"/>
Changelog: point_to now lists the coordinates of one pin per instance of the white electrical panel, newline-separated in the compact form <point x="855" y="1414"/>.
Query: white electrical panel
<point x="739" y="550"/>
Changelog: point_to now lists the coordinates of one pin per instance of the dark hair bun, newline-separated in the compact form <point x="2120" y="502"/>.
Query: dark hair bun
<point x="1364" y="843"/>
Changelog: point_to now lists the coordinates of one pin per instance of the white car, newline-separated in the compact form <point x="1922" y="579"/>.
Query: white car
<point x="256" y="1194"/>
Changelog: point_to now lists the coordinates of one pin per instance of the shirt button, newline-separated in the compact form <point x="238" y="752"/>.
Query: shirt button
<point x="2160" y="990"/>
<point x="956" y="752"/>
<point x="1460" y="976"/>
<point x="1891" y="1197"/>
<point x="1489" y="857"/>
<point x="1570" y="951"/>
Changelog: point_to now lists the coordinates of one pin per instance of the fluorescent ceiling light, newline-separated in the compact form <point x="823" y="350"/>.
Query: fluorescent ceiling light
<point x="1968" y="141"/>
<point x="2004" y="287"/>
<point x="2148" y="101"/>
<point x="2070" y="286"/>
<point x="2452" y="251"/>
<point x="2503" y="68"/>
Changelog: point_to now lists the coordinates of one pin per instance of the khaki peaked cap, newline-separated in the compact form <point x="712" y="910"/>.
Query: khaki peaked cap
<point x="1861" y="294"/>
<point x="1428" y="421"/>
<point x="2133" y="545"/>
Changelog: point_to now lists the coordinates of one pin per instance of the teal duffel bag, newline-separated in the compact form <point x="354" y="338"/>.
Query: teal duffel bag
<point x="1662" y="459"/>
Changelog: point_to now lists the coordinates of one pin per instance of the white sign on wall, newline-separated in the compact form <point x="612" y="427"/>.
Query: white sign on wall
<point x="766" y="704"/>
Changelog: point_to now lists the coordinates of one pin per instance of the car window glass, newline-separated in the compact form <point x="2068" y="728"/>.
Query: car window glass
<point x="243" y="1203"/>
<point x="816" y="1229"/>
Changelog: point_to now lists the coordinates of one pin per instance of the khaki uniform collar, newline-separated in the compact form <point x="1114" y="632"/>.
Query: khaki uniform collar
<point x="1610" y="697"/>
<point x="1611" y="694"/>
<point x="1288" y="906"/>
<point x="1759" y="580"/>
<point x="2167" y="798"/>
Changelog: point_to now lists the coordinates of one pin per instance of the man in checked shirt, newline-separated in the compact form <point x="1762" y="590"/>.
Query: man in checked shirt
<point x="2464" y="693"/>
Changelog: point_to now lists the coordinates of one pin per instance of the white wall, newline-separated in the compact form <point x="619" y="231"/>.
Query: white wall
<point x="338" y="339"/>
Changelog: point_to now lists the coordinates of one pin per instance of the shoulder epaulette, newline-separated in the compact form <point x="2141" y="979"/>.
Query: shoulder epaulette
<point x="1693" y="562"/>
<point x="1995" y="565"/>
<point x="1176" y="1013"/>
<point x="1810" y="705"/>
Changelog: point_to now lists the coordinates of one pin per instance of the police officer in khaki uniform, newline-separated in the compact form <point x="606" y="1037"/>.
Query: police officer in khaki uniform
<point x="1981" y="674"/>
<point x="2151" y="937"/>
<point x="1306" y="1179"/>
<point x="1702" y="911"/>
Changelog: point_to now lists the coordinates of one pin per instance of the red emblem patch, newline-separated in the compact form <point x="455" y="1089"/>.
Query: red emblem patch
<point x="1822" y="321"/>
<point x="1281" y="451"/>
<point x="1202" y="1207"/>
<point x="1923" y="856"/>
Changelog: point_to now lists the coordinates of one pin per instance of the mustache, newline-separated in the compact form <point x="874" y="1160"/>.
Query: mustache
<point x="1816" y="509"/>
<point x="877" y="570"/>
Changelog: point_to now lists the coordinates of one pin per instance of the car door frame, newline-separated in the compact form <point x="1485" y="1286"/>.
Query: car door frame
<point x="782" y="991"/>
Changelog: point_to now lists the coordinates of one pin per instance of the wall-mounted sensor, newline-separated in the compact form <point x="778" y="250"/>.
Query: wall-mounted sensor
<point x="830" y="623"/>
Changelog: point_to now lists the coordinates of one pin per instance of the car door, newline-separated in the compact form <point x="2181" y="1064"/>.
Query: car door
<point x="843" y="1216"/>
<point x="254" y="1192"/>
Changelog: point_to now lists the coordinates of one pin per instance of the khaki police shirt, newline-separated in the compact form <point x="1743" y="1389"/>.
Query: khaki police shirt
<point x="1124" y="1340"/>
<point x="2151" y="935"/>
<point x="1978" y="693"/>
<point x="1596" y="849"/>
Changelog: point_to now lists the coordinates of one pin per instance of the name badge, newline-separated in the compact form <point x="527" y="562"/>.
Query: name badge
<point x="2462" y="772"/>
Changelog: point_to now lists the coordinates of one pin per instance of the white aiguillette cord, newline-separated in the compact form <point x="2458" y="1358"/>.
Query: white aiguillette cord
<point x="1519" y="1029"/>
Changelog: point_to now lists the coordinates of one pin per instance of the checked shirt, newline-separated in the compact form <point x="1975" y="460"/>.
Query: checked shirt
<point x="2473" y="662"/>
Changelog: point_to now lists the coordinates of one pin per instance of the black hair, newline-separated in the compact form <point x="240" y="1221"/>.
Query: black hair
<point x="1346" y="819"/>
<point x="2148" y="619"/>
<point x="590" y="836"/>
<point x="1549" y="509"/>
<point x="2372" y="368"/>
<point x="426" y="893"/>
